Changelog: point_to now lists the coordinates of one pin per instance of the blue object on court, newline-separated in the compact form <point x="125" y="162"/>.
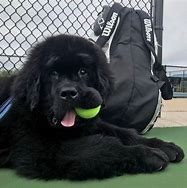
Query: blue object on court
<point x="5" y="107"/>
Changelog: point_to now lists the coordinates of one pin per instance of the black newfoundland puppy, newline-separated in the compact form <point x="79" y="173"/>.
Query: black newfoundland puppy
<point x="42" y="137"/>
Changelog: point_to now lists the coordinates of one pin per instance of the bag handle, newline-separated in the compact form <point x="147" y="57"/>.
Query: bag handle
<point x="110" y="24"/>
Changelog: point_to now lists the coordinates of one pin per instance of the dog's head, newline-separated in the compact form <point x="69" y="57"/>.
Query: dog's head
<point x="62" y="73"/>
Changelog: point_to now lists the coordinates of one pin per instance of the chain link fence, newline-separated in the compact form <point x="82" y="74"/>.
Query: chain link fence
<point x="178" y="79"/>
<point x="25" y="22"/>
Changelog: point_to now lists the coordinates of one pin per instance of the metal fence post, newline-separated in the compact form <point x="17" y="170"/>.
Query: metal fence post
<point x="158" y="24"/>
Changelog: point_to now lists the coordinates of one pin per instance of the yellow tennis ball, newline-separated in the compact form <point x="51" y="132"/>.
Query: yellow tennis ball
<point x="88" y="113"/>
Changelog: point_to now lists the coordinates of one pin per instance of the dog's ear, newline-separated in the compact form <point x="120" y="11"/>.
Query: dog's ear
<point x="105" y="83"/>
<point x="26" y="87"/>
<point x="33" y="91"/>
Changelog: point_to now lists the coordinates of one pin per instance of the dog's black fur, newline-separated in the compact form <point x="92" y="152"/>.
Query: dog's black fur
<point x="61" y="73"/>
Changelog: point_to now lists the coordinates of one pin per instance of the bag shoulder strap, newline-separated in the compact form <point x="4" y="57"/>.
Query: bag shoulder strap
<point x="147" y="31"/>
<point x="110" y="24"/>
<point x="158" y="69"/>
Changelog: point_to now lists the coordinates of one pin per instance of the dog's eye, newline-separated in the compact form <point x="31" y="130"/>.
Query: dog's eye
<point x="82" y="72"/>
<point x="54" y="74"/>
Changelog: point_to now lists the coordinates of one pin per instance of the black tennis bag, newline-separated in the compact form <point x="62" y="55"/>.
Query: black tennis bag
<point x="127" y="37"/>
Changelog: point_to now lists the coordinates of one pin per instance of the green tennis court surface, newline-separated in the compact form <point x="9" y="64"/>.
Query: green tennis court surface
<point x="175" y="176"/>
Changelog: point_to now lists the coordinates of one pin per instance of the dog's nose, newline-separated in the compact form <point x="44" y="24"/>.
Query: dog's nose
<point x="68" y="93"/>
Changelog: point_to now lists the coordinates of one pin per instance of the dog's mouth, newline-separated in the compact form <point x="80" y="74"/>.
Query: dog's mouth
<point x="68" y="120"/>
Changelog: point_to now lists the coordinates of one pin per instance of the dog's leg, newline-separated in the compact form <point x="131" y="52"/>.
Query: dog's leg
<point x="99" y="156"/>
<point x="94" y="156"/>
<point x="174" y="152"/>
<point x="130" y="137"/>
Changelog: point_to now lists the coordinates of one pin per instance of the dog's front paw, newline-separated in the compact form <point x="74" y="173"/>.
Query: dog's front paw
<point x="174" y="152"/>
<point x="148" y="160"/>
